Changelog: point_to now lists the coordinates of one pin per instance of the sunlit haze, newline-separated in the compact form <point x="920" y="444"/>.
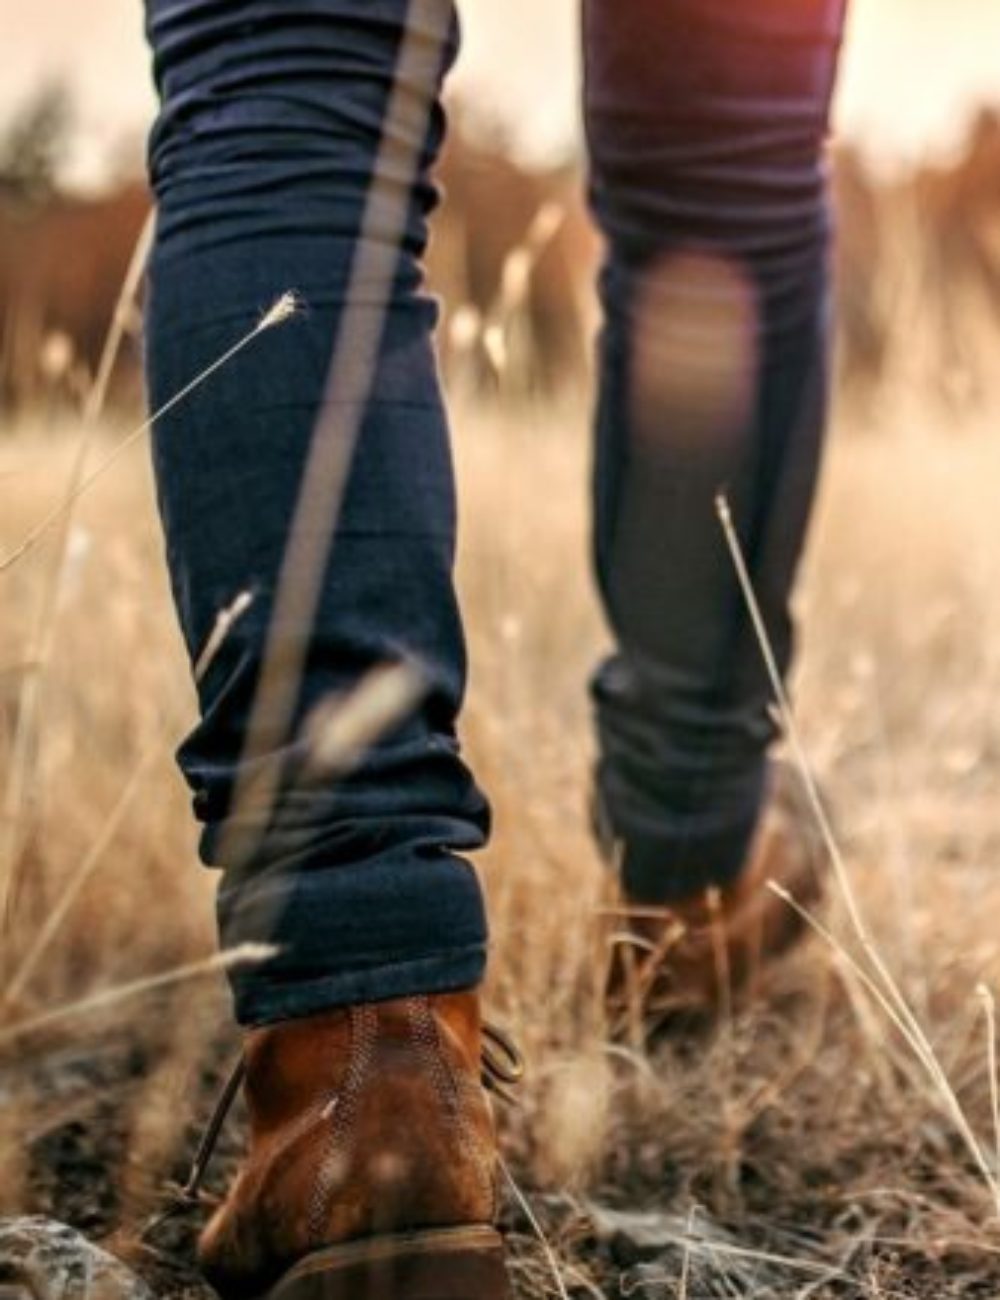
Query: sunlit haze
<point x="913" y="69"/>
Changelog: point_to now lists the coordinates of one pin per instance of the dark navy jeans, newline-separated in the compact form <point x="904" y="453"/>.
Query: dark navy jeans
<point x="706" y="121"/>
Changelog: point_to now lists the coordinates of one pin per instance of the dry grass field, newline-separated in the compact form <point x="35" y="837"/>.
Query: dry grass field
<point x="819" y="1144"/>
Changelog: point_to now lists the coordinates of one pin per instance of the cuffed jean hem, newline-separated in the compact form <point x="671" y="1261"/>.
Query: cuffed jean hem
<point x="671" y="869"/>
<point x="260" y="1003"/>
<point x="672" y="859"/>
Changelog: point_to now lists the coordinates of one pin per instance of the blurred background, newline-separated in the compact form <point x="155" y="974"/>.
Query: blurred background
<point x="917" y="161"/>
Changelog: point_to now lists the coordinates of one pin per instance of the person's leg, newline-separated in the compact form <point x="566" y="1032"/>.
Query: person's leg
<point x="293" y="152"/>
<point x="706" y="123"/>
<point x="274" y="139"/>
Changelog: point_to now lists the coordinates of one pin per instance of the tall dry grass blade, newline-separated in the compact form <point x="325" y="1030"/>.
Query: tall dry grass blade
<point x="505" y="328"/>
<point x="682" y="1287"/>
<point x="990" y="1011"/>
<point x="348" y="389"/>
<point x="22" y="767"/>
<point x="788" y="719"/>
<point x="536" y="1227"/>
<point x="246" y="954"/>
<point x="225" y="621"/>
<point x="54" y="922"/>
<point x="120" y="321"/>
<point x="915" y="1042"/>
<point x="794" y="738"/>
<point x="18" y="782"/>
<point x="88" y="865"/>
<point x="883" y="980"/>
<point x="282" y="310"/>
<point x="340" y="732"/>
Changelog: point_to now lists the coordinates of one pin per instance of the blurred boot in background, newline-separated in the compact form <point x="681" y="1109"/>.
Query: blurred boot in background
<point x="706" y="125"/>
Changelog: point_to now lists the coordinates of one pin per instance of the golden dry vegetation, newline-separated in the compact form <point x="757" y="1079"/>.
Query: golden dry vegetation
<point x="838" y="1139"/>
<point x="921" y="241"/>
<point x="806" y="1147"/>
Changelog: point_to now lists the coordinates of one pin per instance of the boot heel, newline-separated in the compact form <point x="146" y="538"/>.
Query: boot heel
<point x="443" y="1264"/>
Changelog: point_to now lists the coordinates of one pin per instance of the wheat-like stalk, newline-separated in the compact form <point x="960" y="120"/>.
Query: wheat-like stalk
<point x="331" y="451"/>
<point x="247" y="954"/>
<point x="880" y="980"/>
<point x="281" y="311"/>
<point x="91" y="860"/>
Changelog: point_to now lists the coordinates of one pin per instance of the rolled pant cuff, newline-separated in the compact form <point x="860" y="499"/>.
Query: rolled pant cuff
<point x="669" y="869"/>
<point x="260" y="1002"/>
<point x="666" y="858"/>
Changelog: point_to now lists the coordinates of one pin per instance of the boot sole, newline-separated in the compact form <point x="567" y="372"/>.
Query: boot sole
<point x="442" y="1264"/>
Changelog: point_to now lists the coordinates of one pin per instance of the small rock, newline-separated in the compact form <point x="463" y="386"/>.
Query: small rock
<point x="41" y="1259"/>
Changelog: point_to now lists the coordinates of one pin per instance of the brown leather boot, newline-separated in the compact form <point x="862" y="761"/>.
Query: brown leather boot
<point x="371" y="1172"/>
<point x="709" y="951"/>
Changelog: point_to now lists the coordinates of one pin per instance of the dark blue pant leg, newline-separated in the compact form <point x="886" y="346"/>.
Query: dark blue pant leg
<point x="706" y="122"/>
<point x="272" y="116"/>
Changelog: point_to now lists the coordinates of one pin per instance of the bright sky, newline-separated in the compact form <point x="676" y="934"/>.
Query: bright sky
<point x="912" y="71"/>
